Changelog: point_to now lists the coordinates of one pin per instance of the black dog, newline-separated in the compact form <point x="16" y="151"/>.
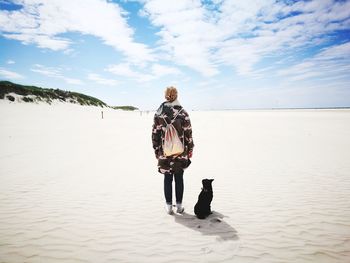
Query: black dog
<point x="202" y="208"/>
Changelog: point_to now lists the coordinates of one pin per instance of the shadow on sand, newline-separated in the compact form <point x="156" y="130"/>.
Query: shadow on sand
<point x="213" y="225"/>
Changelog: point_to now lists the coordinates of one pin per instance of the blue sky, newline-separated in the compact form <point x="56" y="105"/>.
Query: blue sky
<point x="220" y="54"/>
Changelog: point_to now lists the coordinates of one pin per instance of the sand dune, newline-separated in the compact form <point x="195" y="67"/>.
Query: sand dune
<point x="76" y="188"/>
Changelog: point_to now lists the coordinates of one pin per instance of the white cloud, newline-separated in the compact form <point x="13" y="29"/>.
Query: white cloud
<point x="331" y="62"/>
<point x="126" y="70"/>
<point x="241" y="33"/>
<point x="269" y="34"/>
<point x="7" y="74"/>
<point x="186" y="35"/>
<point x="135" y="72"/>
<point x="201" y="35"/>
<point x="72" y="80"/>
<point x="10" y="61"/>
<point x="42" y="23"/>
<point x="162" y="70"/>
<point x="53" y="72"/>
<point x="47" y="71"/>
<point x="43" y="41"/>
<point x="100" y="80"/>
<point x="341" y="52"/>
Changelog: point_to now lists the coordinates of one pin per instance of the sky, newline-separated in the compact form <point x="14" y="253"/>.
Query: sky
<point x="220" y="54"/>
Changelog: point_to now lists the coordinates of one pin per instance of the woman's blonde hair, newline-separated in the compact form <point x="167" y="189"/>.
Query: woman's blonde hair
<point x="171" y="94"/>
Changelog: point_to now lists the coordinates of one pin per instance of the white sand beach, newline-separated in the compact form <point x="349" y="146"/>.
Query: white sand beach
<point x="78" y="188"/>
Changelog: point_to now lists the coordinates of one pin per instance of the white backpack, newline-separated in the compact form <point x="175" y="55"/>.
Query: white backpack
<point x="172" y="144"/>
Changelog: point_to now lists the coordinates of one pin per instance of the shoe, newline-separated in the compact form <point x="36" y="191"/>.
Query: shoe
<point x="169" y="209"/>
<point x="179" y="208"/>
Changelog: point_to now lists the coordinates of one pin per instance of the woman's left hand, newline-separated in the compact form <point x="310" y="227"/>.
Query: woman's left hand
<point x="190" y="154"/>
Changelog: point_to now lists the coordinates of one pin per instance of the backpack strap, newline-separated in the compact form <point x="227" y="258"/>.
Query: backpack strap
<point x="165" y="120"/>
<point x="172" y="121"/>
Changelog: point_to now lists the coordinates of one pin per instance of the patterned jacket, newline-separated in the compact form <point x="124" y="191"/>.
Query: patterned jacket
<point x="182" y="124"/>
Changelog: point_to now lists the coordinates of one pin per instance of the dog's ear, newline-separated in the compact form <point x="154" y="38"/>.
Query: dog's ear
<point x="211" y="180"/>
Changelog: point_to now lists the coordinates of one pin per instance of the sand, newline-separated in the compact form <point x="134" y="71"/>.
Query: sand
<point x="78" y="188"/>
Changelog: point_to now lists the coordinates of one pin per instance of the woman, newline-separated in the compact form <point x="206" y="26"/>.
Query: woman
<point x="173" y="166"/>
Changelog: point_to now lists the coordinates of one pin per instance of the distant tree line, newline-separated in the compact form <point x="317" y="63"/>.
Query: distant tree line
<point x="129" y="108"/>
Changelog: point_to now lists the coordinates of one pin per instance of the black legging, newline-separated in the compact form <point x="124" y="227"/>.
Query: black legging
<point x="168" y="187"/>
